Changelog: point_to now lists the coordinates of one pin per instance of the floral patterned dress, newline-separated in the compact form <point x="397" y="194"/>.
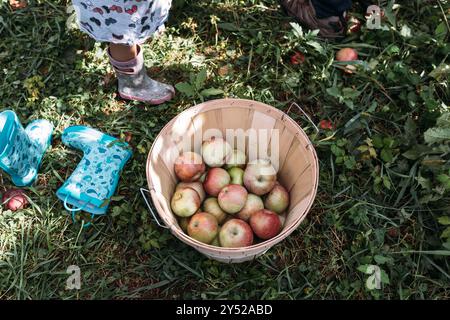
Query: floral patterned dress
<point x="121" y="21"/>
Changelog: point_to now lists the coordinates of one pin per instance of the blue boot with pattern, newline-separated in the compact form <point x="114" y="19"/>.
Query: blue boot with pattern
<point x="94" y="181"/>
<point x="21" y="150"/>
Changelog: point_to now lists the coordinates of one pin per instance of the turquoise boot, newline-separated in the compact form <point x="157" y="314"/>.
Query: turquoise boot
<point x="21" y="150"/>
<point x="94" y="181"/>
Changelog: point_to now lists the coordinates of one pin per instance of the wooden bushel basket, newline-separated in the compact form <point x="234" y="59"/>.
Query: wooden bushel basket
<point x="298" y="165"/>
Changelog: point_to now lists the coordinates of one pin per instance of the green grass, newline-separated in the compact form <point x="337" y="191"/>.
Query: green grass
<point x="372" y="208"/>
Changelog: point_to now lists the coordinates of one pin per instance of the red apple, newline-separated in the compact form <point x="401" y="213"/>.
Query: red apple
<point x="277" y="200"/>
<point x="253" y="204"/>
<point x="237" y="175"/>
<point x="232" y="198"/>
<point x="297" y="58"/>
<point x="347" y="54"/>
<point x="260" y="177"/>
<point x="216" y="241"/>
<point x="237" y="159"/>
<point x="185" y="202"/>
<point x="189" y="166"/>
<point x="265" y="224"/>
<point x="203" y="227"/>
<point x="212" y="206"/>
<point x="15" y="199"/>
<point x="236" y="233"/>
<point x="197" y="186"/>
<point x="216" y="152"/>
<point x="215" y="180"/>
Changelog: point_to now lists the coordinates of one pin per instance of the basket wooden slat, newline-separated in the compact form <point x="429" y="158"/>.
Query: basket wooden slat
<point x="297" y="158"/>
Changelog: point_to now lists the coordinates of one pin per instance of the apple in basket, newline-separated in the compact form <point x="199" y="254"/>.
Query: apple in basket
<point x="216" y="241"/>
<point x="277" y="200"/>
<point x="237" y="175"/>
<point x="212" y="206"/>
<point x="216" y="151"/>
<point x="266" y="224"/>
<point x="253" y="204"/>
<point x="185" y="202"/>
<point x="197" y="186"/>
<point x="232" y="198"/>
<point x="237" y="159"/>
<point x="203" y="227"/>
<point x="215" y="180"/>
<point x="15" y="199"/>
<point x="260" y="177"/>
<point x="189" y="166"/>
<point x="236" y="233"/>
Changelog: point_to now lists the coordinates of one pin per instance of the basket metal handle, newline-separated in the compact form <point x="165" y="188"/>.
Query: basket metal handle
<point x="143" y="192"/>
<point x="294" y="104"/>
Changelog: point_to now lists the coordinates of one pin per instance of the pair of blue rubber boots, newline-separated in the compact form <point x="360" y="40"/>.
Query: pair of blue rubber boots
<point x="94" y="181"/>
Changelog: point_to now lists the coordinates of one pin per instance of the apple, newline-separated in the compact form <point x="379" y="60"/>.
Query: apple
<point x="260" y="177"/>
<point x="197" y="186"/>
<point x="185" y="202"/>
<point x="277" y="200"/>
<point x="232" y="198"/>
<point x="237" y="175"/>
<point x="212" y="206"/>
<point x="183" y="223"/>
<point x="15" y="199"/>
<point x="236" y="233"/>
<point x="347" y="54"/>
<point x="253" y="204"/>
<point x="237" y="159"/>
<point x="203" y="227"/>
<point x="215" y="180"/>
<point x="216" y="152"/>
<point x="266" y="224"/>
<point x="189" y="166"/>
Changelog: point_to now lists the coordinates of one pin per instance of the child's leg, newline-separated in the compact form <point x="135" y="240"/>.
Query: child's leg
<point x="122" y="52"/>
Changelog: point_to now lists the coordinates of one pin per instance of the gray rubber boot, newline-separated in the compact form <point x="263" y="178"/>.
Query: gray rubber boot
<point x="135" y="84"/>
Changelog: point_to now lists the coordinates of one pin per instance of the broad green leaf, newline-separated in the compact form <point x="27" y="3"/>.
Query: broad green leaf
<point x="444" y="220"/>
<point x="381" y="259"/>
<point x="441" y="31"/>
<point x="446" y="233"/>
<point x="386" y="155"/>
<point x="185" y="88"/>
<point x="377" y="141"/>
<point x="316" y="45"/>
<point x="200" y="79"/>
<point x="384" y="277"/>
<point x="298" y="30"/>
<point x="334" y="92"/>
<point x="211" y="92"/>
<point x="436" y="135"/>
<point x="364" y="268"/>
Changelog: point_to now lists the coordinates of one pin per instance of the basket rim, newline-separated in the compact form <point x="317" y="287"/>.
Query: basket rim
<point x="220" y="104"/>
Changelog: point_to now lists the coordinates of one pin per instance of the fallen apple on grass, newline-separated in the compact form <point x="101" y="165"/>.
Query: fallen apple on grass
<point x="260" y="177"/>
<point x="236" y="233"/>
<point x="254" y="203"/>
<point x="266" y="224"/>
<point x="203" y="227"/>
<point x="216" y="151"/>
<point x="345" y="55"/>
<point x="277" y="200"/>
<point x="216" y="180"/>
<point x="189" y="166"/>
<point x="212" y="206"/>
<point x="232" y="198"/>
<point x="237" y="175"/>
<point x="185" y="202"/>
<point x="197" y="186"/>
<point x="15" y="199"/>
<point x="237" y="159"/>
